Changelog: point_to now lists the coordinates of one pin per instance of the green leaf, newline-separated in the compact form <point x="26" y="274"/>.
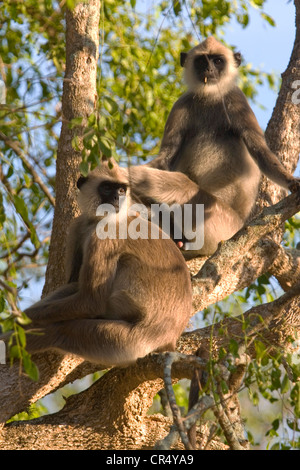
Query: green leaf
<point x="75" y="122"/>
<point x="105" y="147"/>
<point x="14" y="352"/>
<point x="84" y="168"/>
<point x="234" y="348"/>
<point x="2" y="301"/>
<point x="285" y="385"/>
<point x="276" y="424"/>
<point x="224" y="387"/>
<point x="2" y="211"/>
<point x="21" y="335"/>
<point x="29" y="367"/>
<point x="76" y="143"/>
<point x="269" y="19"/>
<point x="110" y="105"/>
<point x="294" y="425"/>
<point x="275" y="446"/>
<point x="10" y="172"/>
<point x="92" y="120"/>
<point x="295" y="398"/>
<point x="260" y="349"/>
<point x="177" y="7"/>
<point x="21" y="207"/>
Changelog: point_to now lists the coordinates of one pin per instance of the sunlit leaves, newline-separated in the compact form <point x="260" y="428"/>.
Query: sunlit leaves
<point x="268" y="18"/>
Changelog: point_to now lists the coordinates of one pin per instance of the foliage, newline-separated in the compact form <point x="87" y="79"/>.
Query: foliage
<point x="139" y="79"/>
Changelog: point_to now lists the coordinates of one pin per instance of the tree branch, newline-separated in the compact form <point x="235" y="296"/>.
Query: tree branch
<point x="239" y="261"/>
<point x="14" y="145"/>
<point x="286" y="267"/>
<point x="220" y="275"/>
<point x="275" y="323"/>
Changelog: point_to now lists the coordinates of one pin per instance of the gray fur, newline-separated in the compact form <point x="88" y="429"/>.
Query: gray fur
<point x="126" y="298"/>
<point x="213" y="137"/>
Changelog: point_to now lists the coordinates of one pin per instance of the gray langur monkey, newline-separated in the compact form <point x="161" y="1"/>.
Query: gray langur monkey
<point x="124" y="298"/>
<point x="213" y="137"/>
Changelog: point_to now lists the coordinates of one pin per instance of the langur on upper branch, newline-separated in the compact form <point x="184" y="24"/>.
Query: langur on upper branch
<point x="213" y="137"/>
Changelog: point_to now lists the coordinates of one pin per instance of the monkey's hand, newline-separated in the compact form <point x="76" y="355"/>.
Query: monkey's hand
<point x="294" y="185"/>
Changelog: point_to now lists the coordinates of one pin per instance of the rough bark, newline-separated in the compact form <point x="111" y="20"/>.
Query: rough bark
<point x="283" y="130"/>
<point x="286" y="267"/>
<point x="78" y="100"/>
<point x="119" y="420"/>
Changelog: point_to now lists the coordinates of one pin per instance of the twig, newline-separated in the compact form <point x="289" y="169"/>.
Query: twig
<point x="15" y="147"/>
<point x="169" y="359"/>
<point x="10" y="289"/>
<point x="193" y="415"/>
<point x="227" y="426"/>
<point x="15" y="248"/>
<point x="261" y="320"/>
<point x="179" y="421"/>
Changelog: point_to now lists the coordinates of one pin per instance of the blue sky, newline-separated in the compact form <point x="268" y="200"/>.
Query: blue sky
<point x="266" y="47"/>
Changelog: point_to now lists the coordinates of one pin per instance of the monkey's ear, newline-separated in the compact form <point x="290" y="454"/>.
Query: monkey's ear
<point x="183" y="56"/>
<point x="237" y="58"/>
<point x="81" y="180"/>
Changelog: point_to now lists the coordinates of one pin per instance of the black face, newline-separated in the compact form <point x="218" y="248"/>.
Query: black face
<point x="209" y="68"/>
<point x="110" y="192"/>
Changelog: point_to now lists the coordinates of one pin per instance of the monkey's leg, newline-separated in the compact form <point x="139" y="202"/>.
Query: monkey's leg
<point x="221" y="222"/>
<point x="60" y="293"/>
<point x="102" y="341"/>
<point x="63" y="303"/>
<point x="40" y="312"/>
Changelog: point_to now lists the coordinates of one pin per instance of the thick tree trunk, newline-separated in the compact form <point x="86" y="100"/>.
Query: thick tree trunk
<point x="283" y="130"/>
<point x="78" y="100"/>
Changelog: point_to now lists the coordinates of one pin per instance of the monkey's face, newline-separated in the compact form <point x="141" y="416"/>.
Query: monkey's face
<point x="95" y="190"/>
<point x="110" y="193"/>
<point x="210" y="68"/>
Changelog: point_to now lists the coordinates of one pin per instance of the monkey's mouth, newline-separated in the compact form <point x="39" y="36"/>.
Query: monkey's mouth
<point x="209" y="80"/>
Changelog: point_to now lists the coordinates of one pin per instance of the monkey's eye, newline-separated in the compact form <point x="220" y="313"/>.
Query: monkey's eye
<point x="218" y="61"/>
<point x="122" y="191"/>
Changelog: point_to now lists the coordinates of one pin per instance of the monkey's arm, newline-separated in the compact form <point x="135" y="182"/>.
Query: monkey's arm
<point x="58" y="305"/>
<point x="86" y="298"/>
<point x="74" y="249"/>
<point x="174" y="133"/>
<point x="152" y="184"/>
<point x="245" y="124"/>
